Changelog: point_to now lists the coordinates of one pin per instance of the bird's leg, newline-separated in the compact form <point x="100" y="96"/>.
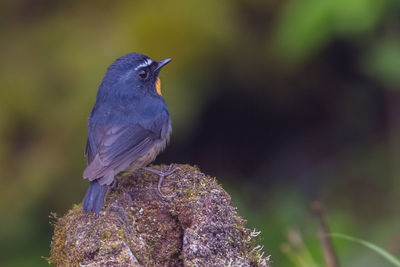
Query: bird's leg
<point x="162" y="175"/>
<point x="109" y="187"/>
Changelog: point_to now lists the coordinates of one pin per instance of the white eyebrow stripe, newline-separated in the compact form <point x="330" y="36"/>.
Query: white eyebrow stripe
<point x="146" y="63"/>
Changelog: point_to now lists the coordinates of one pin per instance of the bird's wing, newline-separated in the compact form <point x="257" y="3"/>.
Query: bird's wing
<point x="116" y="147"/>
<point x="119" y="146"/>
<point x="96" y="133"/>
<point x="88" y="152"/>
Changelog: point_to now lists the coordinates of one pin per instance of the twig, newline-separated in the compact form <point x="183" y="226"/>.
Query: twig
<point x="330" y="257"/>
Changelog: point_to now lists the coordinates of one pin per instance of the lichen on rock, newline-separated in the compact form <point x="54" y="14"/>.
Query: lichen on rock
<point x="195" y="224"/>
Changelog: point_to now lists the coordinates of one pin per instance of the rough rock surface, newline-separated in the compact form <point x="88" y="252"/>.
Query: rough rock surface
<point x="195" y="224"/>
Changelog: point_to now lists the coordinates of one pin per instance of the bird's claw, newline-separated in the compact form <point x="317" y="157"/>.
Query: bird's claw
<point x="162" y="176"/>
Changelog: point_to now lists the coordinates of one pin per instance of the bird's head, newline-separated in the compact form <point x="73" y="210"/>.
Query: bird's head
<point x="134" y="72"/>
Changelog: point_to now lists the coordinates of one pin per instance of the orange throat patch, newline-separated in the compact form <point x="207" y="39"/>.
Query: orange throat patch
<point x="158" y="86"/>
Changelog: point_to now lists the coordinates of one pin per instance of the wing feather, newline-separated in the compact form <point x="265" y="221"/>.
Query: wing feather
<point x="119" y="147"/>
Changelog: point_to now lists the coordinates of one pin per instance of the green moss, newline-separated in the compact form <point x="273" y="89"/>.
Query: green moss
<point x="137" y="220"/>
<point x="121" y="235"/>
<point x="106" y="235"/>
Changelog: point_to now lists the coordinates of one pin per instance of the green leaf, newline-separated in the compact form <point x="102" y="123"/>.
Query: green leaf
<point x="371" y="246"/>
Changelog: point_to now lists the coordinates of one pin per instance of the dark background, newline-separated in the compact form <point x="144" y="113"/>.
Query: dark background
<point x="285" y="102"/>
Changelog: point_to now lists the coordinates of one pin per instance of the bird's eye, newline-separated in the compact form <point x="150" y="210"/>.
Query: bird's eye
<point x="143" y="73"/>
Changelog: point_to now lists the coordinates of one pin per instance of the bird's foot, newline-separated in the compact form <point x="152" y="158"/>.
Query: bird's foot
<point x="162" y="176"/>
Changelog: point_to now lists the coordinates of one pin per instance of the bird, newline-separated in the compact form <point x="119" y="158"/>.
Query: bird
<point x="128" y="126"/>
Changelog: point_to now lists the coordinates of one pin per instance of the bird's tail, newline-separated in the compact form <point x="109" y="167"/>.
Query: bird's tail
<point x="93" y="200"/>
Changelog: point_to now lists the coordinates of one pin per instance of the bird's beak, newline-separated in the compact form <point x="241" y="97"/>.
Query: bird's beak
<point x="162" y="63"/>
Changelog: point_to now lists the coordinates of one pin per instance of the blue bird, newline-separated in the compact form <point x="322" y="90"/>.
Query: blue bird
<point x="129" y="125"/>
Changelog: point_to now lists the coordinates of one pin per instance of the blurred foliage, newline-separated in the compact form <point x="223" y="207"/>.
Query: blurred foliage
<point x="378" y="250"/>
<point x="284" y="101"/>
<point x="307" y="26"/>
<point x="383" y="62"/>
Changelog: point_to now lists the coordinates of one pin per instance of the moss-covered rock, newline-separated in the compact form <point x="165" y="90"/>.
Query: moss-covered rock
<point x="194" y="225"/>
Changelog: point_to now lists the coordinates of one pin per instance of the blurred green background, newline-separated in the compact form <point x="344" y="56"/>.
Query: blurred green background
<point x="285" y="102"/>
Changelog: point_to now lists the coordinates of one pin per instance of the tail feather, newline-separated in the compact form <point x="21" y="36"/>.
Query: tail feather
<point x="93" y="200"/>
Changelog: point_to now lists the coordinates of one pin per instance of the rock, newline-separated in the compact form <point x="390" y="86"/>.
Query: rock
<point x="195" y="224"/>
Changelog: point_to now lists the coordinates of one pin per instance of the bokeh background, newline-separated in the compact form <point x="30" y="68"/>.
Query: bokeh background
<point x="286" y="102"/>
